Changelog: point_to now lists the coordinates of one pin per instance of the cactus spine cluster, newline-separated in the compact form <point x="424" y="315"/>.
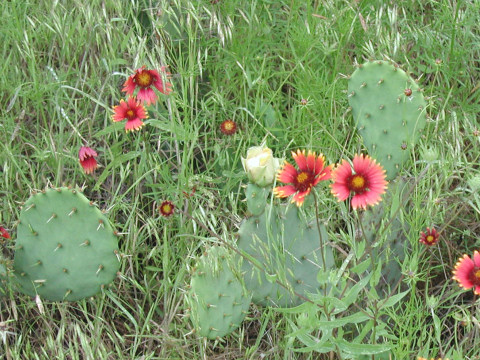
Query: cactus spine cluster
<point x="65" y="248"/>
<point x="389" y="111"/>
<point x="217" y="300"/>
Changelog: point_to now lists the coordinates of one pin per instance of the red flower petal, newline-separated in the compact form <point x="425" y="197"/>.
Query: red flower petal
<point x="287" y="173"/>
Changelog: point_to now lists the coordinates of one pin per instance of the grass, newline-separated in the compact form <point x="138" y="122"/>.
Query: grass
<point x="253" y="62"/>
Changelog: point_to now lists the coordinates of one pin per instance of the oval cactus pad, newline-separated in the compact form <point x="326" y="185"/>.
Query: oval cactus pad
<point x="217" y="300"/>
<point x="66" y="248"/>
<point x="389" y="111"/>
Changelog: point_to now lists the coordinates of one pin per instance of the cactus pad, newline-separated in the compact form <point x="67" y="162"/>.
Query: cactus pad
<point x="389" y="112"/>
<point x="287" y="247"/>
<point x="65" y="247"/>
<point x="218" y="302"/>
<point x="3" y="280"/>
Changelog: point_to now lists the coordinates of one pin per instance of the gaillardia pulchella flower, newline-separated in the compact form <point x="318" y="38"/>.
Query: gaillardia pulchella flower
<point x="166" y="208"/>
<point x="228" y="127"/>
<point x="131" y="110"/>
<point x="366" y="182"/>
<point x="311" y="170"/>
<point x="430" y="237"/>
<point x="87" y="156"/>
<point x="467" y="272"/>
<point x="144" y="80"/>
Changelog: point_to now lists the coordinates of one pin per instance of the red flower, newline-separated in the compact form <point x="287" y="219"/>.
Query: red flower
<point x="132" y="111"/>
<point x="4" y="233"/>
<point x="467" y="272"/>
<point x="367" y="183"/>
<point x="87" y="157"/>
<point x="166" y="208"/>
<point x="429" y="238"/>
<point x="144" y="80"/>
<point x="228" y="127"/>
<point x="312" y="170"/>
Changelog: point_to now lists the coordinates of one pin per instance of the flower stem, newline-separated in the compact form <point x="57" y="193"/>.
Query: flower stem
<point x="319" y="231"/>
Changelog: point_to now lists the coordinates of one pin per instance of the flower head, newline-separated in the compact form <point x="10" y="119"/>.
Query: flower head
<point x="166" y="208"/>
<point x="228" y="127"/>
<point x="4" y="233"/>
<point x="260" y="165"/>
<point x="467" y="272"/>
<point x="430" y="237"/>
<point x="132" y="111"/>
<point x="367" y="181"/>
<point x="87" y="157"/>
<point x="311" y="170"/>
<point x="144" y="80"/>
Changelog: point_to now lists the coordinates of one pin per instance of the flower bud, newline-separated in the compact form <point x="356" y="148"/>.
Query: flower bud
<point x="260" y="165"/>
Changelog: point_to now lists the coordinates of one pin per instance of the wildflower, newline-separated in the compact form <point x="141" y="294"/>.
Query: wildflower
<point x="87" y="157"/>
<point x="429" y="238"/>
<point x="300" y="182"/>
<point x="367" y="181"/>
<point x="144" y="79"/>
<point x="467" y="272"/>
<point x="132" y="111"/>
<point x="4" y="233"/>
<point x="260" y="165"/>
<point x="228" y="127"/>
<point x="166" y="208"/>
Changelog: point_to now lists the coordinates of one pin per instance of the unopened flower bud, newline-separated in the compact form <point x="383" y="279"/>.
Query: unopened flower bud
<point x="260" y="165"/>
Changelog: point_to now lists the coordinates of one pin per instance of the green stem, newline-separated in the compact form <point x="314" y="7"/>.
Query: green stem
<point x="319" y="231"/>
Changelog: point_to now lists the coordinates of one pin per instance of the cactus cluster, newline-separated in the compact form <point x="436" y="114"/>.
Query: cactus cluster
<point x="217" y="300"/>
<point x="65" y="248"/>
<point x="389" y="111"/>
<point x="284" y="244"/>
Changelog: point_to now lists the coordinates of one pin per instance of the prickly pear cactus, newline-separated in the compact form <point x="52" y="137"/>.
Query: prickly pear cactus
<point x="3" y="279"/>
<point x="256" y="198"/>
<point x="287" y="247"/>
<point x="389" y="111"/>
<point x="395" y="242"/>
<point x="217" y="300"/>
<point x="65" y="247"/>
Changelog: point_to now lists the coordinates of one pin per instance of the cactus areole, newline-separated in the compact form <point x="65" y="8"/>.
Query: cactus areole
<point x="65" y="247"/>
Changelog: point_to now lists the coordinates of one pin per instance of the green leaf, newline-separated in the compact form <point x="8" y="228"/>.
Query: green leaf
<point x="362" y="349"/>
<point x="352" y="294"/>
<point x="360" y="268"/>
<point x="392" y="300"/>
<point x="335" y="323"/>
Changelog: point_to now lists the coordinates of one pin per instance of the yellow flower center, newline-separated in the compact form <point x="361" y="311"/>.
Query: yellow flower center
<point x="302" y="177"/>
<point x="130" y="114"/>
<point x="477" y="274"/>
<point x="430" y="238"/>
<point x="167" y="208"/>
<point x="228" y="125"/>
<point x="144" y="79"/>
<point x="357" y="182"/>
